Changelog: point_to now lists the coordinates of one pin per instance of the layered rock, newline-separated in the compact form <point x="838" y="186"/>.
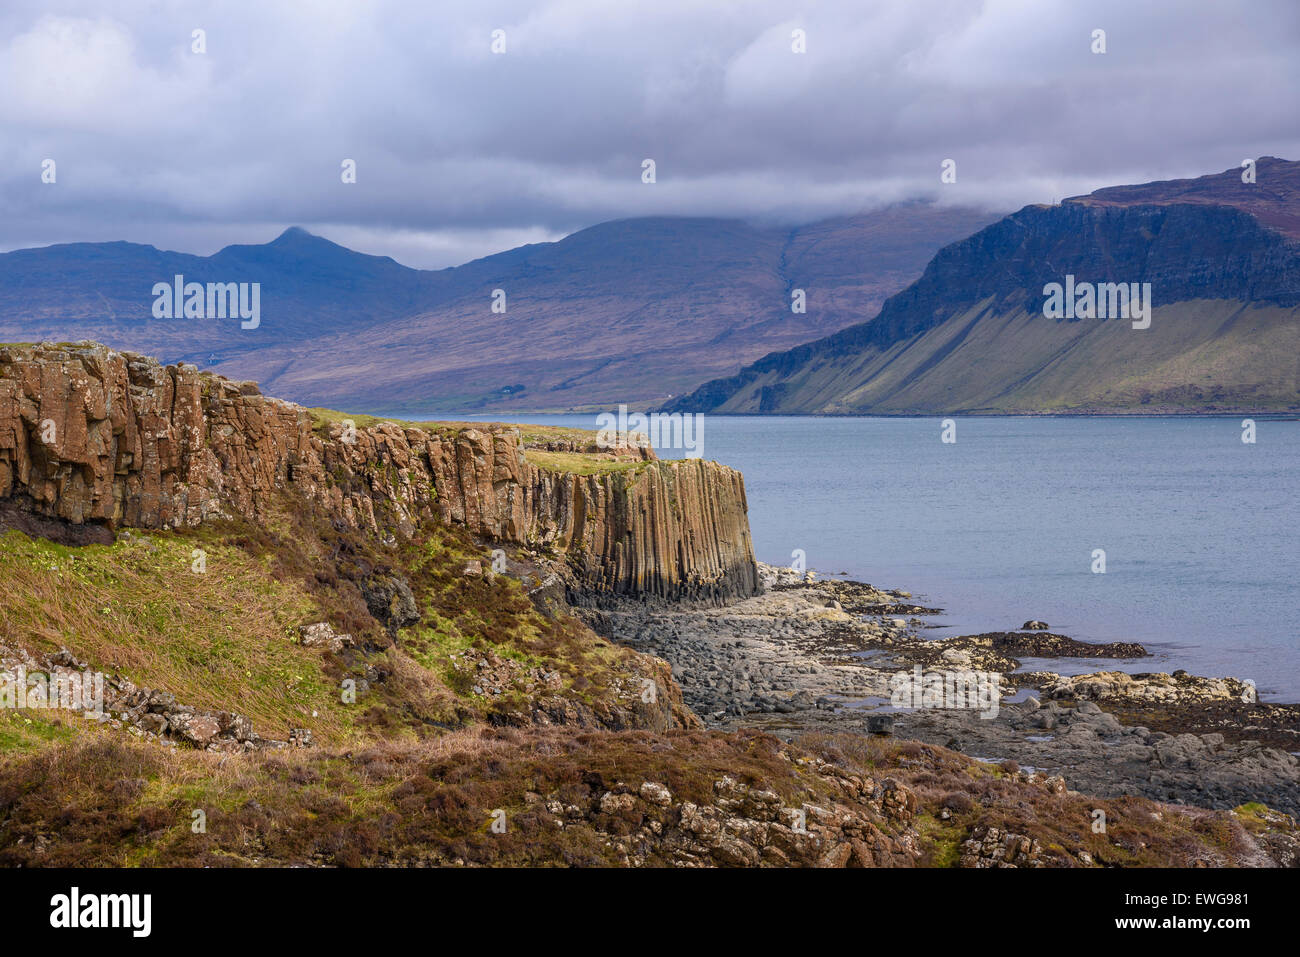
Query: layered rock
<point x="1222" y="263"/>
<point x="94" y="437"/>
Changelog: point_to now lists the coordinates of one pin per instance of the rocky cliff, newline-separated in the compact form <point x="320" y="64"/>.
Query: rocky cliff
<point x="1223" y="264"/>
<point x="93" y="439"/>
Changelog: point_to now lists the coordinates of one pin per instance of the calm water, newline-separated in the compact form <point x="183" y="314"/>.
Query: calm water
<point x="1201" y="531"/>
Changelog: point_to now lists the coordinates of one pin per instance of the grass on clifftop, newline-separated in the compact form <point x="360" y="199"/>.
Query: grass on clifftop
<point x="322" y="418"/>
<point x="581" y="463"/>
<point x="574" y="463"/>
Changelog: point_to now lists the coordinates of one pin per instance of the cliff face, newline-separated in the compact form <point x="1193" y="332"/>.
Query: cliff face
<point x="970" y="334"/>
<point x="94" y="437"/>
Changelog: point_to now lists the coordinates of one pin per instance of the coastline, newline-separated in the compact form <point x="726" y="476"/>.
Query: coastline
<point x="811" y="655"/>
<point x="1019" y="535"/>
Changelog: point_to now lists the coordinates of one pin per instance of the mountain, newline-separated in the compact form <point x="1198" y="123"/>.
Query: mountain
<point x="309" y="285"/>
<point x="628" y="311"/>
<point x="1222" y="258"/>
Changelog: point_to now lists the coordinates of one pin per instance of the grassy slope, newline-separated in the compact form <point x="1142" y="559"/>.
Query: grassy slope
<point x="1194" y="354"/>
<point x="136" y="607"/>
<point x="226" y="638"/>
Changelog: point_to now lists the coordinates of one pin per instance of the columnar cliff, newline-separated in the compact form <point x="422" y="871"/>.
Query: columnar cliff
<point x="97" y="438"/>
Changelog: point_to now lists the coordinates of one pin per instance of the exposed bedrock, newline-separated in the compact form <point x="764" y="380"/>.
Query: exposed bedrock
<point x="94" y="437"/>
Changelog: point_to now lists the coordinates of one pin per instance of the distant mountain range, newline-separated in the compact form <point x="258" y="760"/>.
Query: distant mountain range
<point x="631" y="311"/>
<point x="1222" y="258"/>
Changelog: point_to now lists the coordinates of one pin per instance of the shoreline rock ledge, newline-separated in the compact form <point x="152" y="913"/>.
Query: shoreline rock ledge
<point x="93" y="439"/>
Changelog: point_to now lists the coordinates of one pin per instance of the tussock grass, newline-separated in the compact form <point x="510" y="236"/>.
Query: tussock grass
<point x="322" y="418"/>
<point x="221" y="639"/>
<point x="579" y="463"/>
<point x="96" y="798"/>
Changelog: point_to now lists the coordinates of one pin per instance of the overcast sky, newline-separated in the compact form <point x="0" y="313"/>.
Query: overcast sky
<point x="461" y="152"/>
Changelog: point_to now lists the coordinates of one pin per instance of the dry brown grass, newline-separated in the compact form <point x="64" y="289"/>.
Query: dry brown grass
<point x="91" y="797"/>
<point x="101" y="798"/>
<point x="1139" y="832"/>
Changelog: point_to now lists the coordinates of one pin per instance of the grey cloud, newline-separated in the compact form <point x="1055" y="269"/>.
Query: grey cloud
<point x="459" y="149"/>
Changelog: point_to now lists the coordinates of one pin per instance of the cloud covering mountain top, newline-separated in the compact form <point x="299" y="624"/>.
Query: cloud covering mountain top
<point x="461" y="151"/>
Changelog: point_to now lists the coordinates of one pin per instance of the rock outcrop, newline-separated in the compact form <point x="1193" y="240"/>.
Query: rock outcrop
<point x="94" y="437"/>
<point x="1157" y="689"/>
<point x="867" y="824"/>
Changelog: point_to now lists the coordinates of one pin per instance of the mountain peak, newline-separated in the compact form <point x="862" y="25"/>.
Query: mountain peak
<point x="295" y="244"/>
<point x="293" y="234"/>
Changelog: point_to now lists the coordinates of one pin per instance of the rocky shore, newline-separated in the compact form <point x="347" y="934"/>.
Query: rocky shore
<point x="819" y="656"/>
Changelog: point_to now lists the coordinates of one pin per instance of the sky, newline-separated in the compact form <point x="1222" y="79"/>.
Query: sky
<point x="461" y="151"/>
